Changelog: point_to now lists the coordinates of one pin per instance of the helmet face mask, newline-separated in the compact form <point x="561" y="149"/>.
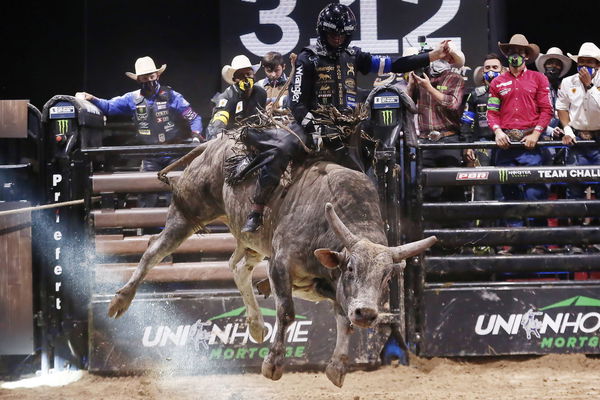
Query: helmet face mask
<point x="337" y="19"/>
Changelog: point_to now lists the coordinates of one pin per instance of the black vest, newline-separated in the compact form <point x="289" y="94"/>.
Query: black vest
<point x="335" y="78"/>
<point x="155" y="123"/>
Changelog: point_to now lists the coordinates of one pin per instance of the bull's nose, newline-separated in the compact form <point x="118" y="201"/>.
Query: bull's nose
<point x="365" y="316"/>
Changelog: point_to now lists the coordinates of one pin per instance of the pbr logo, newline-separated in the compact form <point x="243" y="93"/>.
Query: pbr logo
<point x="226" y="336"/>
<point x="472" y="176"/>
<point x="559" y="325"/>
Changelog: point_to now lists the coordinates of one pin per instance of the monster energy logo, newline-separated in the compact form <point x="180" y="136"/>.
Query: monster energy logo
<point x="503" y="175"/>
<point x="386" y="117"/>
<point x="63" y="126"/>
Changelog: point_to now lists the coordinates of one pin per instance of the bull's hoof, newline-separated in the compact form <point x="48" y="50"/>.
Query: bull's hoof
<point x="258" y="331"/>
<point x="336" y="372"/>
<point x="120" y="303"/>
<point x="270" y="369"/>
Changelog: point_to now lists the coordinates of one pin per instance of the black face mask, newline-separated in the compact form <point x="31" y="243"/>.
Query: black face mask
<point x="149" y="87"/>
<point x="553" y="75"/>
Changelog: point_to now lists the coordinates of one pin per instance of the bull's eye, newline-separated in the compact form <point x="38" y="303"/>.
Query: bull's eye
<point x="350" y="269"/>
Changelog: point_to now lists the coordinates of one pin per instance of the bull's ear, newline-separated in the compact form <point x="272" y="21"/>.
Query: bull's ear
<point x="328" y="258"/>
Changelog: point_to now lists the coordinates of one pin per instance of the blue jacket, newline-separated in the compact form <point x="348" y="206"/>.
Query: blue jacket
<point x="126" y="104"/>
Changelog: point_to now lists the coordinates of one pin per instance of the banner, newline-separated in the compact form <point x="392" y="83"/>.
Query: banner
<point x="516" y="319"/>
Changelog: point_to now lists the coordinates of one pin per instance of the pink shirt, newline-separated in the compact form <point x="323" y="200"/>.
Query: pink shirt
<point x="519" y="102"/>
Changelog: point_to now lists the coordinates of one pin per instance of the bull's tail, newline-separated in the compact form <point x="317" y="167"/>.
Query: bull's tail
<point x="185" y="160"/>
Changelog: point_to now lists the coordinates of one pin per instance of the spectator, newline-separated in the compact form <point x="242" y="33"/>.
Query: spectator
<point x="274" y="66"/>
<point x="440" y="94"/>
<point x="519" y="110"/>
<point x="578" y="106"/>
<point x="475" y="126"/>
<point x="156" y="111"/>
<point x="239" y="100"/>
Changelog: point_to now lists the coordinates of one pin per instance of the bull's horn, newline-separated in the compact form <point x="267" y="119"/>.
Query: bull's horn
<point x="185" y="160"/>
<point x="341" y="231"/>
<point x="405" y="251"/>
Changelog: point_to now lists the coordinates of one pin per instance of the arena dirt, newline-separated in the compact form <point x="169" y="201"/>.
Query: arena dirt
<point x="549" y="377"/>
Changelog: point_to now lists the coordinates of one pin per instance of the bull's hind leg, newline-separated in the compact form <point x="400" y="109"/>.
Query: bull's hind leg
<point x="242" y="275"/>
<point x="177" y="229"/>
<point x="338" y="365"/>
<point x="281" y="285"/>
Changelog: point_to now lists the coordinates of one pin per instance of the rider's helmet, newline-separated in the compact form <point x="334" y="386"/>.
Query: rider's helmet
<point x="336" y="18"/>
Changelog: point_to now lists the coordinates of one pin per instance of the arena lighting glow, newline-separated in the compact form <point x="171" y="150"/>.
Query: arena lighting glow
<point x="54" y="379"/>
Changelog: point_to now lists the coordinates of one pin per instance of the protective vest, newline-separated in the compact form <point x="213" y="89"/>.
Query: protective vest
<point x="480" y="101"/>
<point x="155" y="122"/>
<point x="335" y="78"/>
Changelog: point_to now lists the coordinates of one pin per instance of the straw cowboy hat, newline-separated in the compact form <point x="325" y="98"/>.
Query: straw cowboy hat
<point x="531" y="50"/>
<point x="144" y="66"/>
<point x="554" y="52"/>
<point x="238" y="62"/>
<point x="588" y="49"/>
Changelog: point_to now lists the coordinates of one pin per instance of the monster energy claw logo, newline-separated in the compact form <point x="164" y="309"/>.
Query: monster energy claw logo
<point x="386" y="116"/>
<point x="63" y="126"/>
<point x="503" y="175"/>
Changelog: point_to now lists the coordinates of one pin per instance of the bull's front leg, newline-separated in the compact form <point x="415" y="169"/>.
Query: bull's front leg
<point x="281" y="285"/>
<point x="242" y="275"/>
<point x="338" y="365"/>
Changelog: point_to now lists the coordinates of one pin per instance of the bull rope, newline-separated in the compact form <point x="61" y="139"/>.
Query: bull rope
<point x="45" y="207"/>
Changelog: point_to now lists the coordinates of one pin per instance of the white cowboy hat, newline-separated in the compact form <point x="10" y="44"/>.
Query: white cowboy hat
<point x="588" y="49"/>
<point x="554" y="52"/>
<point x="144" y="66"/>
<point x="531" y="49"/>
<point x="238" y="62"/>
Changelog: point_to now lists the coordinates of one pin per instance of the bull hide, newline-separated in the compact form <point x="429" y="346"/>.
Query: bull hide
<point x="312" y="253"/>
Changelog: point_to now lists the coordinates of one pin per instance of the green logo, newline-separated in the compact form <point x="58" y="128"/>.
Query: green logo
<point x="503" y="175"/>
<point x="577" y="301"/>
<point x="267" y="312"/>
<point x="63" y="126"/>
<point x="386" y="117"/>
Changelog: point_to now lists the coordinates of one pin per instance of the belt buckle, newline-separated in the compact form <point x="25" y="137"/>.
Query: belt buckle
<point x="434" y="136"/>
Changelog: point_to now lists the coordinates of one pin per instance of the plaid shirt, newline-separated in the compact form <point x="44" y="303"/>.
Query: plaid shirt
<point x="444" y="115"/>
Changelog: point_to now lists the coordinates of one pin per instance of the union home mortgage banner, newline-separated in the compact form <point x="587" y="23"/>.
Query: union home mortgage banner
<point x="512" y="319"/>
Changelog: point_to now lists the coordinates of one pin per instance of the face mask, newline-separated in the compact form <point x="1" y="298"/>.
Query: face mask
<point x="149" y="87"/>
<point x="438" y="66"/>
<point x="552" y="73"/>
<point x="490" y="75"/>
<point x="589" y="69"/>
<point x="246" y="84"/>
<point x="515" y="60"/>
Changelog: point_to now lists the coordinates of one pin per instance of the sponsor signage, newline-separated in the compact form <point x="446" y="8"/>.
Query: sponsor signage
<point x="511" y="320"/>
<point x="490" y="175"/>
<point x="202" y="331"/>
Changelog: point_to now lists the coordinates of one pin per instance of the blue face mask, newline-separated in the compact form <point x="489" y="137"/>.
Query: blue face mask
<point x="589" y="69"/>
<point x="490" y="75"/>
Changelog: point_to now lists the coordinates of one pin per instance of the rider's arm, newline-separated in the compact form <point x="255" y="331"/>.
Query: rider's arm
<point x="301" y="88"/>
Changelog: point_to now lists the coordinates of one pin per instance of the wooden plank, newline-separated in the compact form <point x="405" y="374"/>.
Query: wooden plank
<point x="214" y="243"/>
<point x="16" y="282"/>
<point x="13" y="119"/>
<point x="136" y="218"/>
<point x="130" y="182"/>
<point x="210" y="271"/>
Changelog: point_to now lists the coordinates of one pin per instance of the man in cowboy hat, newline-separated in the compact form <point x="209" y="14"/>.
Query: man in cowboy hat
<point x="555" y="65"/>
<point x="239" y="100"/>
<point x="474" y="121"/>
<point x="439" y="105"/>
<point x="519" y="110"/>
<point x="159" y="113"/>
<point x="578" y="106"/>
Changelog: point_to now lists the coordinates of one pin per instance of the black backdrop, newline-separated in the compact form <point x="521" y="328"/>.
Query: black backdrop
<point x="53" y="48"/>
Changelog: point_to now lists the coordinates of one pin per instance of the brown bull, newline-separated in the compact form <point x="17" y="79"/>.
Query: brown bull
<point x="311" y="257"/>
